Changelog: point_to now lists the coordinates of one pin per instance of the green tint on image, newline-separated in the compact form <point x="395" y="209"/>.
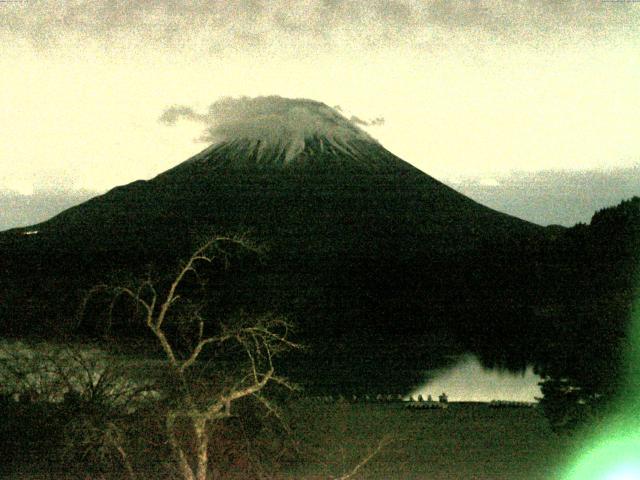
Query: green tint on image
<point x="613" y="458"/>
<point x="614" y="452"/>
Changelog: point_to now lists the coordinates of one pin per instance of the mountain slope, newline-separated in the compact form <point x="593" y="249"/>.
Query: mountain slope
<point x="372" y="257"/>
<point x="237" y="185"/>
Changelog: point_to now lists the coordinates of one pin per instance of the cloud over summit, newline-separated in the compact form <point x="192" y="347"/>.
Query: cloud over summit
<point x="273" y="119"/>
<point x="367" y="123"/>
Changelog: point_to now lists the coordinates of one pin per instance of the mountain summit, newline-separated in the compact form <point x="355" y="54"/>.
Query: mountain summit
<point x="276" y="132"/>
<point x="315" y="152"/>
<point x="275" y="129"/>
<point x="369" y="255"/>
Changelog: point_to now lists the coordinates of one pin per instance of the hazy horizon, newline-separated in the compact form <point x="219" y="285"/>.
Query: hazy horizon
<point x="546" y="198"/>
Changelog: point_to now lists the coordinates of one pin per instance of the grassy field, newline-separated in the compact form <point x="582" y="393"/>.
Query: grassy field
<point x="465" y="441"/>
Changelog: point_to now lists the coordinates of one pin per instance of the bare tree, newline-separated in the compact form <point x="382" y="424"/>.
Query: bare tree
<point x="258" y="340"/>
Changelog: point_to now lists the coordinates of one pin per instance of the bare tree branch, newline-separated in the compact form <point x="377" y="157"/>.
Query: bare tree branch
<point x="381" y="444"/>
<point x="197" y="350"/>
<point x="259" y="338"/>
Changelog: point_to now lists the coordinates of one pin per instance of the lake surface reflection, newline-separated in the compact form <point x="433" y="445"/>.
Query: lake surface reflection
<point x="468" y="380"/>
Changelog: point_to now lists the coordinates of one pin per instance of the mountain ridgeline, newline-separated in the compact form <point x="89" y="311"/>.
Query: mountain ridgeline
<point x="386" y="271"/>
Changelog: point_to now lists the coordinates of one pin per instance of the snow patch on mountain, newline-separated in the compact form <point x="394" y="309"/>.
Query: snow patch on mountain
<point x="273" y="124"/>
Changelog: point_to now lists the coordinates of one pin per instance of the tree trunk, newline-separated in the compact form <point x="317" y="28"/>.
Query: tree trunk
<point x="183" y="464"/>
<point x="202" y="445"/>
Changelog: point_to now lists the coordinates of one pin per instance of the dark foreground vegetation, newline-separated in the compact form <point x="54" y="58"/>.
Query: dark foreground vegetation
<point x="587" y="318"/>
<point x="81" y="438"/>
<point x="557" y="298"/>
<point x="465" y="441"/>
<point x="374" y="309"/>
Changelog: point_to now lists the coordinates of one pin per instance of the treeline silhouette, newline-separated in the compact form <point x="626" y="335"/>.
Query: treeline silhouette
<point x="589" y="322"/>
<point x="377" y="308"/>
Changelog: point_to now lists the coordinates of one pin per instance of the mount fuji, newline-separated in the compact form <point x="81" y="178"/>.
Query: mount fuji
<point x="374" y="259"/>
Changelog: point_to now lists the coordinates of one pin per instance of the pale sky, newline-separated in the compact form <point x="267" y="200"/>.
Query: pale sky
<point x="478" y="87"/>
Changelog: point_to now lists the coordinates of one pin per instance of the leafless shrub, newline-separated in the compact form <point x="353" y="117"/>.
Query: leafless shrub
<point x="202" y="395"/>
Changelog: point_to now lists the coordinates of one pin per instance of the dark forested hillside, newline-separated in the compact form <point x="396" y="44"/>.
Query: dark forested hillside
<point x="589" y="315"/>
<point x="386" y="271"/>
